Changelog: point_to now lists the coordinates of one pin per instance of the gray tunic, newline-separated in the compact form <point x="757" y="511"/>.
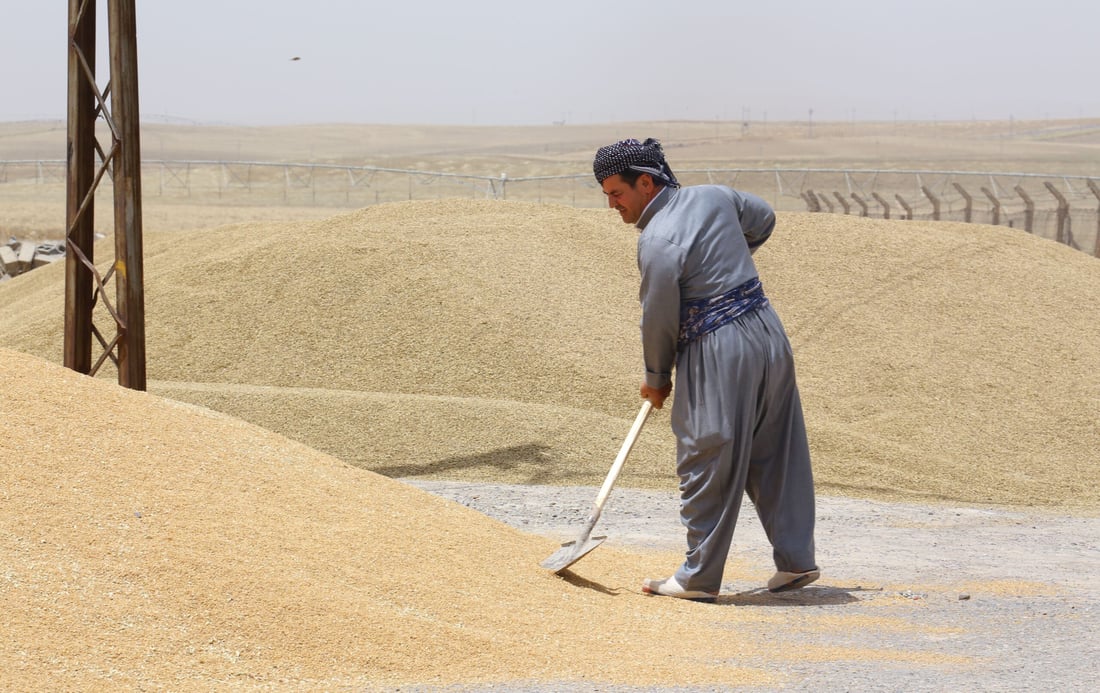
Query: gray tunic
<point x="736" y="411"/>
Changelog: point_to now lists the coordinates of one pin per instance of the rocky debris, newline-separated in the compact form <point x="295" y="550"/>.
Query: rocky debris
<point x="19" y="256"/>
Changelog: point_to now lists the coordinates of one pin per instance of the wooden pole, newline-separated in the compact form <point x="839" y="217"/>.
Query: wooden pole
<point x="815" y="201"/>
<point x="1063" y="212"/>
<point x="843" y="202"/>
<point x="812" y="205"/>
<point x="996" y="205"/>
<point x="883" y="203"/>
<point x="905" y="206"/>
<point x="862" y="205"/>
<point x="80" y="189"/>
<point x="968" y="212"/>
<point x="1096" y="191"/>
<point x="935" y="202"/>
<point x="1029" y="209"/>
<point x="127" y="183"/>
<point x="118" y="104"/>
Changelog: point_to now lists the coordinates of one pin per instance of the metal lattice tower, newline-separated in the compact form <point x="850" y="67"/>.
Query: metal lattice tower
<point x="87" y="163"/>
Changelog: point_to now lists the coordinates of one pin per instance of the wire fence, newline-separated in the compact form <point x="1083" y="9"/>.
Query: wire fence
<point x="1058" y="207"/>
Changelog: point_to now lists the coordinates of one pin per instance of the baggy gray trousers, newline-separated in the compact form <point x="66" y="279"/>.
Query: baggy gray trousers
<point x="738" y="421"/>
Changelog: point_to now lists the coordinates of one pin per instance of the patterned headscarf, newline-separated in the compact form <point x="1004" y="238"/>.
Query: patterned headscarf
<point x="644" y="157"/>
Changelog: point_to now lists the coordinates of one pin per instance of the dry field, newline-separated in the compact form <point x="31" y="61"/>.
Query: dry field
<point x="240" y="526"/>
<point x="177" y="198"/>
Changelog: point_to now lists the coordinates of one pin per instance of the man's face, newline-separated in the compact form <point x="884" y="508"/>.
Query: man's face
<point x="629" y="200"/>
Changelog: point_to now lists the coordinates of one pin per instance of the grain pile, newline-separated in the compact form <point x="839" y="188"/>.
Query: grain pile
<point x="150" y="543"/>
<point x="183" y="549"/>
<point x="498" y="341"/>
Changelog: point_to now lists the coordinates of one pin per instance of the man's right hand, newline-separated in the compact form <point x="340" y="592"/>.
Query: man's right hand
<point x="655" y="395"/>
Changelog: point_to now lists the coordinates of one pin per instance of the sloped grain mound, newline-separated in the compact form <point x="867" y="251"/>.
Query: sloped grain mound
<point x="147" y="543"/>
<point x="498" y="341"/>
<point x="945" y="360"/>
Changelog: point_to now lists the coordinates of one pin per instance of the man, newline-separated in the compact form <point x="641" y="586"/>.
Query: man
<point x="737" y="415"/>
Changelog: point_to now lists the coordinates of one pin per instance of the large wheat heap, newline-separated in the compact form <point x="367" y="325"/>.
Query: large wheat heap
<point x="150" y="542"/>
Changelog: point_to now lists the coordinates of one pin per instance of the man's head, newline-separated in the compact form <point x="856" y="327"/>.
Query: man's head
<point x="631" y="174"/>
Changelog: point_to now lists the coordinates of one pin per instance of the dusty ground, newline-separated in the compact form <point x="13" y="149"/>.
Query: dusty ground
<point x="1017" y="617"/>
<point x="486" y="352"/>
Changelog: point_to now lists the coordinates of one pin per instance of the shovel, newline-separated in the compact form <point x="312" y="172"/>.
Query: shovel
<point x="573" y="551"/>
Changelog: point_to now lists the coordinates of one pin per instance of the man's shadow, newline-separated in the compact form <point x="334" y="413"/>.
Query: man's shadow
<point x="812" y="595"/>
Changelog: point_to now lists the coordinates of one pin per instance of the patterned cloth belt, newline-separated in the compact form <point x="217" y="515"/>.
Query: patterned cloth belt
<point x="705" y="315"/>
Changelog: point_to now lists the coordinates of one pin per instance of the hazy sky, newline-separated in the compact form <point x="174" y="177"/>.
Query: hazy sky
<point x="493" y="62"/>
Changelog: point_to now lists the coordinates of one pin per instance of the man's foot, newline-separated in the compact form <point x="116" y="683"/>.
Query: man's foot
<point x="670" y="588"/>
<point x="783" y="581"/>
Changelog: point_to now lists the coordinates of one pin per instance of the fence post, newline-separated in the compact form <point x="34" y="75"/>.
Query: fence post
<point x="905" y="206"/>
<point x="1029" y="208"/>
<point x="861" y="203"/>
<point x="843" y="202"/>
<point x="1096" y="191"/>
<point x="826" y="201"/>
<point x="968" y="213"/>
<point x="1063" y="211"/>
<point x="996" y="205"/>
<point x="885" y="205"/>
<point x="935" y="202"/>
<point x="812" y="205"/>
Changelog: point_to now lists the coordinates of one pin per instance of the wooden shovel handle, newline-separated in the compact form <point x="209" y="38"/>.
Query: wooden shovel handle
<point x="617" y="466"/>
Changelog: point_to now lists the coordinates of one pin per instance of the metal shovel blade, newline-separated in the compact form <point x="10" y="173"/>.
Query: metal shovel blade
<point x="569" y="553"/>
